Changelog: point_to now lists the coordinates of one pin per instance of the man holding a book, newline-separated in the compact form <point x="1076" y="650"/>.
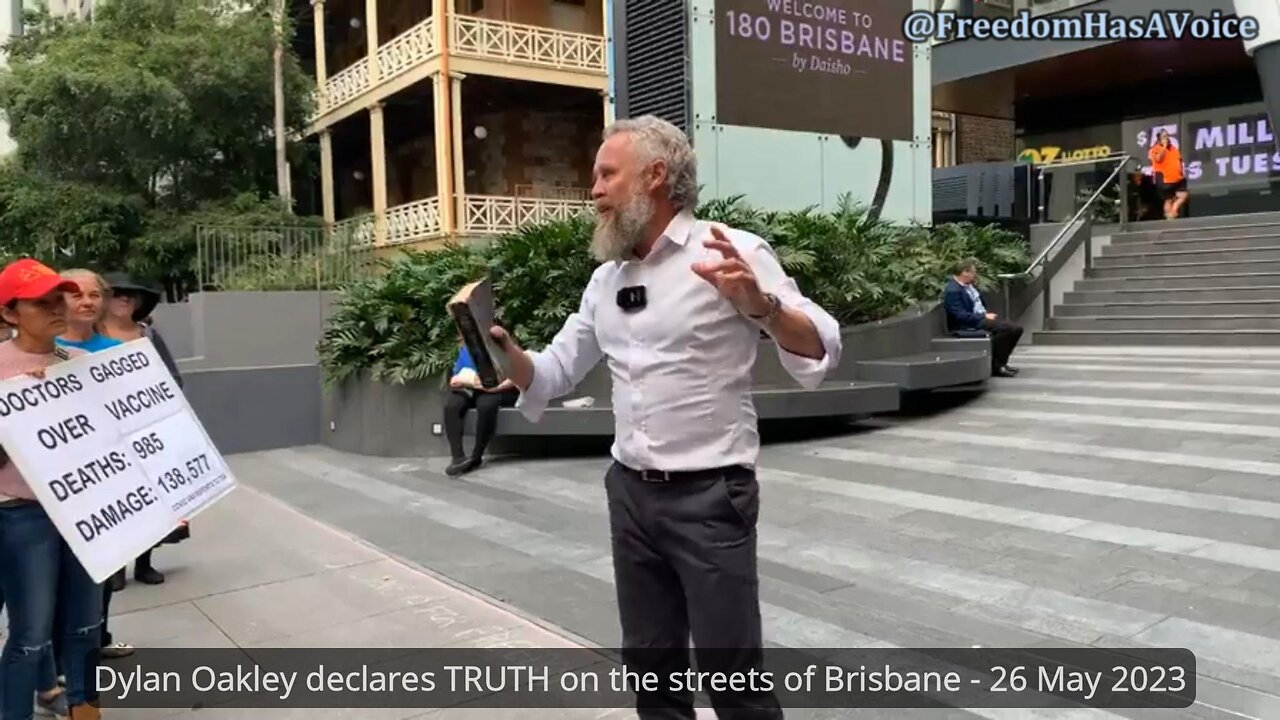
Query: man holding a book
<point x="676" y="309"/>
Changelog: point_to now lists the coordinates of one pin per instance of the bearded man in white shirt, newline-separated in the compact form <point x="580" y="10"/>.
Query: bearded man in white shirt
<point x="676" y="308"/>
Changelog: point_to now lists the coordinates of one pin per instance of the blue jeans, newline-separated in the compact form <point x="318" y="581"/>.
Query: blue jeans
<point x="38" y="573"/>
<point x="48" y="677"/>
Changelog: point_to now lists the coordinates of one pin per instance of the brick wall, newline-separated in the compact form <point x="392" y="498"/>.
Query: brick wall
<point x="530" y="147"/>
<point x="983" y="139"/>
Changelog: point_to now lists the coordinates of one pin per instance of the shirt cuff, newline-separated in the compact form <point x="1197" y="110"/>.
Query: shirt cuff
<point x="806" y="370"/>
<point x="534" y="400"/>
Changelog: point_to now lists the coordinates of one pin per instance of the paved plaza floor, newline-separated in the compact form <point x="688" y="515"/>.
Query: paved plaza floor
<point x="1106" y="497"/>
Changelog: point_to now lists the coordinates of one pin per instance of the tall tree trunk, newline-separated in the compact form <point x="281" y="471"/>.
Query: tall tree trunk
<point x="282" y="162"/>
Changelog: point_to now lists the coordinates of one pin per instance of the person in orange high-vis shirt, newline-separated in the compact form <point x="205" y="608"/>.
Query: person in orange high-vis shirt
<point x="1166" y="167"/>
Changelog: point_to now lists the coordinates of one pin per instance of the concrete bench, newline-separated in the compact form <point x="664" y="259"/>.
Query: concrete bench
<point x="832" y="399"/>
<point x="928" y="371"/>
<point x="968" y="344"/>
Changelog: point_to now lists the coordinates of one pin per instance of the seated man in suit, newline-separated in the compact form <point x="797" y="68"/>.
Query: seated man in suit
<point x="965" y="312"/>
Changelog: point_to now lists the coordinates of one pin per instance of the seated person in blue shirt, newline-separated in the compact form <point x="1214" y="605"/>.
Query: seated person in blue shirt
<point x="966" y="312"/>
<point x="466" y="392"/>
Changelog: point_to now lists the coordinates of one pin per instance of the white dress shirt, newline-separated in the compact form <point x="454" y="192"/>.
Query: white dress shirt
<point x="682" y="366"/>
<point x="978" y="307"/>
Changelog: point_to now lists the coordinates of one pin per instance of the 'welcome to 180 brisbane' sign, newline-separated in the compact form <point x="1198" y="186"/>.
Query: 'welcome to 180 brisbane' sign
<point x="840" y="67"/>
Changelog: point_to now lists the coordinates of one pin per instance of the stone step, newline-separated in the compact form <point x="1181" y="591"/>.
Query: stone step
<point x="1162" y="295"/>
<point x="1161" y="246"/>
<point x="1144" y="338"/>
<point x="1169" y="305"/>
<point x="1183" y="269"/>
<point x="1182" y="257"/>
<point x="1196" y="233"/>
<point x="1168" y="322"/>
<point x="1186" y="281"/>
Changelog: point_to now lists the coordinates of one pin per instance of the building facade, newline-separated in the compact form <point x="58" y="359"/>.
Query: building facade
<point x="82" y="9"/>
<point x="1058" y="103"/>
<point x="458" y="119"/>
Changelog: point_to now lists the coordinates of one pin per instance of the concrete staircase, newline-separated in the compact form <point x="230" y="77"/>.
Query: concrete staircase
<point x="1177" y="283"/>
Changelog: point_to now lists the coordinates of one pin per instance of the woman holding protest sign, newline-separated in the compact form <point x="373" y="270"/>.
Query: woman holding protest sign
<point x="86" y="309"/>
<point x="39" y="572"/>
<point x="129" y="304"/>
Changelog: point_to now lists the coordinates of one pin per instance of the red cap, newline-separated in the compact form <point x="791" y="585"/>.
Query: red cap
<point x="27" y="279"/>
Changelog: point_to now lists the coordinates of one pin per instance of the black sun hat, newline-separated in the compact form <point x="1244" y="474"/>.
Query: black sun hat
<point x="148" y="297"/>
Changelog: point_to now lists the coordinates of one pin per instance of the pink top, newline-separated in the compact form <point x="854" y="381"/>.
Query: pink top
<point x="13" y="362"/>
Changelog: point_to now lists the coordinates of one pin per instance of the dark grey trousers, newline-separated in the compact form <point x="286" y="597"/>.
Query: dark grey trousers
<point x="684" y="559"/>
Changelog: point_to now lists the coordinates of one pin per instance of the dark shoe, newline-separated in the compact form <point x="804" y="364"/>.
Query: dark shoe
<point x="1004" y="373"/>
<point x="1011" y="369"/>
<point x="148" y="575"/>
<point x="457" y="467"/>
<point x="118" y="581"/>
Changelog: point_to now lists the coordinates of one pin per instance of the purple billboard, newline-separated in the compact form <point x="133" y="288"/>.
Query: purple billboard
<point x="840" y="67"/>
<point x="1222" y="148"/>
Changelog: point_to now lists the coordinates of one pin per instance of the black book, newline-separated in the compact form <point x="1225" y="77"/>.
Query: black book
<point x="472" y="311"/>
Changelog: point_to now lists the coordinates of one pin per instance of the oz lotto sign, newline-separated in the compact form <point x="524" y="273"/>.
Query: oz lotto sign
<point x="113" y="452"/>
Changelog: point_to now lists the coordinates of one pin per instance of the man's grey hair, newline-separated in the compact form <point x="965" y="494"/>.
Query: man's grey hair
<point x="657" y="139"/>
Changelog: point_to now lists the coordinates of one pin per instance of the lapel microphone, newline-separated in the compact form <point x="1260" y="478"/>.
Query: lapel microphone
<point x="632" y="299"/>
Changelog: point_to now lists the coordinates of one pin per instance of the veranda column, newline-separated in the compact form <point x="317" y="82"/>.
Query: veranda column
<point x="442" y="144"/>
<point x="326" y="137"/>
<point x="326" y="176"/>
<point x="378" y="152"/>
<point x="1265" y="50"/>
<point x="455" y="122"/>
<point x="610" y="109"/>
<point x="371" y="28"/>
<point x="447" y="189"/>
<point x="322" y="60"/>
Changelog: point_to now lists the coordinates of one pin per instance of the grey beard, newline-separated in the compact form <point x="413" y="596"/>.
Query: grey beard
<point x="616" y="237"/>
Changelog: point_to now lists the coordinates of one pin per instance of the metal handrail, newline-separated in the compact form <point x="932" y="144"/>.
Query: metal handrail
<point x="1040" y="260"/>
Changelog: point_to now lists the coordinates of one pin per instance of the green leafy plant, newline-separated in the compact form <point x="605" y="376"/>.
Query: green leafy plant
<point x="394" y="327"/>
<point x="393" y="324"/>
<point x="135" y="127"/>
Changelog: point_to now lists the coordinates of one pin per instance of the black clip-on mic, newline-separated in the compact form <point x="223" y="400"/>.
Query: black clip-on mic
<point x="632" y="298"/>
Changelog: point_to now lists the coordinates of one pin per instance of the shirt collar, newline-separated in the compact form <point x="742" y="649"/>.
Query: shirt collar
<point x="680" y="228"/>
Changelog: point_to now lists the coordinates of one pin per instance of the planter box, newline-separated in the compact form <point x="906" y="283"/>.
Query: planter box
<point x="370" y="418"/>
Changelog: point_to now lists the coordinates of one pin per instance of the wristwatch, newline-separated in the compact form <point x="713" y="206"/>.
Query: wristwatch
<point x="775" y="307"/>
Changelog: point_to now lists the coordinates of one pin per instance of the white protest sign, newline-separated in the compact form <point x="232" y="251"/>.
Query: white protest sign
<point x="113" y="452"/>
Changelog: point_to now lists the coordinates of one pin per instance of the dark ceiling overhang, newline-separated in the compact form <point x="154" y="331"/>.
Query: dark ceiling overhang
<point x="957" y="60"/>
<point x="1100" y="74"/>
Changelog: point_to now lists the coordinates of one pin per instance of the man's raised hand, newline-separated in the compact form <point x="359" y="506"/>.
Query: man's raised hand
<point x="731" y="275"/>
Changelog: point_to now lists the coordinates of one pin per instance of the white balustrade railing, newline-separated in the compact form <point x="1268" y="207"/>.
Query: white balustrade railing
<point x="529" y="44"/>
<point x="354" y="232"/>
<point x="469" y="37"/>
<point x="493" y="214"/>
<point x="418" y="220"/>
<point x="347" y="85"/>
<point x="410" y="49"/>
